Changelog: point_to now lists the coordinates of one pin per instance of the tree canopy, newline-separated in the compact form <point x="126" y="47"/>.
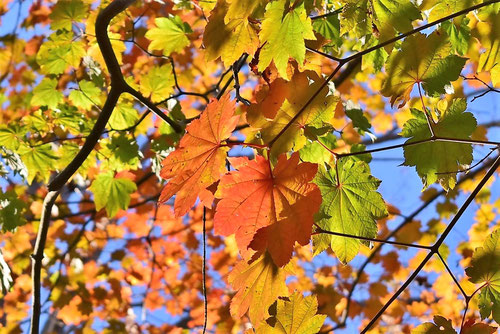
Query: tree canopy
<point x="218" y="166"/>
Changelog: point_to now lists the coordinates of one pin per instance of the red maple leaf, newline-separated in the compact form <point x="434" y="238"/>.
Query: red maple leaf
<point x="199" y="161"/>
<point x="268" y="209"/>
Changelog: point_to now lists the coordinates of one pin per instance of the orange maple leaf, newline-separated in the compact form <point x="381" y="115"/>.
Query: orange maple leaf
<point x="268" y="209"/>
<point x="199" y="161"/>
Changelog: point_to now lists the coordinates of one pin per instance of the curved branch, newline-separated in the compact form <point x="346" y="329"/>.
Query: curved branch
<point x="118" y="86"/>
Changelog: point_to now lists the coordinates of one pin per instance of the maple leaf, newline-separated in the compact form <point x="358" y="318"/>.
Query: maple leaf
<point x="169" y="36"/>
<point x="381" y="17"/>
<point x="351" y="205"/>
<point x="46" y="94"/>
<point x="293" y="315"/>
<point x="268" y="209"/>
<point x="65" y="12"/>
<point x="296" y="93"/>
<point x="485" y="269"/>
<point x="83" y="97"/>
<point x="422" y="59"/>
<point x="158" y="83"/>
<point x="112" y="193"/>
<point x="199" y="161"/>
<point x="239" y="9"/>
<point x="258" y="283"/>
<point x="489" y="31"/>
<point x="58" y="52"/>
<point x="11" y="211"/>
<point x="39" y="160"/>
<point x="283" y="32"/>
<point x="440" y="161"/>
<point x="442" y="325"/>
<point x="228" y="39"/>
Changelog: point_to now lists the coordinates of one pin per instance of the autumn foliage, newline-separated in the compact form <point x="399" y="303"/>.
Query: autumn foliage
<point x="221" y="166"/>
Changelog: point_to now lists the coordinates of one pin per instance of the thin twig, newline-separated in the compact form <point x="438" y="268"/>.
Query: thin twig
<point x="437" y="244"/>
<point x="204" y="271"/>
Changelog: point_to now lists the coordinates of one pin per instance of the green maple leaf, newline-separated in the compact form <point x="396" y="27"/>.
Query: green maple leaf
<point x="122" y="153"/>
<point x="329" y="28"/>
<point x="39" y="160"/>
<point x="86" y="95"/>
<point x="11" y="136"/>
<point x="59" y="52"/>
<point x="65" y="12"/>
<point x="11" y="210"/>
<point x="485" y="269"/>
<point x="158" y="83"/>
<point x="112" y="193"/>
<point x="446" y="158"/>
<point x="459" y="34"/>
<point x="382" y="17"/>
<point x="169" y="36"/>
<point x="283" y="32"/>
<point x="46" y="94"/>
<point x="350" y="206"/>
<point x="358" y="119"/>
<point x="293" y="315"/>
<point x="123" y="116"/>
<point x="426" y="60"/>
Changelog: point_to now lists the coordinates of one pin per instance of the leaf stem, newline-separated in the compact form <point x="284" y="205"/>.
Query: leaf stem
<point x="428" y="117"/>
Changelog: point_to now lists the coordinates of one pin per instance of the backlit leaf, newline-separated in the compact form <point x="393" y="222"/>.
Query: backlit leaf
<point x="170" y="35"/>
<point x="351" y="205"/>
<point x="39" y="160"/>
<point x="65" y="12"/>
<point x="46" y="94"/>
<point x="283" y="32"/>
<point x="258" y="283"/>
<point x="294" y="315"/>
<point x="199" y="161"/>
<point x="268" y="210"/>
<point x="112" y="193"/>
<point x="422" y="59"/>
<point x="485" y="269"/>
<point x="228" y="39"/>
<point x="158" y="83"/>
<point x="440" y="161"/>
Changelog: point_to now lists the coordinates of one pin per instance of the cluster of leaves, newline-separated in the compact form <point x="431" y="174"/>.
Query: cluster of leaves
<point x="266" y="166"/>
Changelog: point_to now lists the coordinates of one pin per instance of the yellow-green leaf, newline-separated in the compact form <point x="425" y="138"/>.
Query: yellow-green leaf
<point x="65" y="12"/>
<point x="422" y="59"/>
<point x="351" y="205"/>
<point x="293" y="315"/>
<point x="39" y="160"/>
<point x="169" y="36"/>
<point x="112" y="193"/>
<point x="258" y="283"/>
<point x="485" y="269"/>
<point x="86" y="96"/>
<point x="283" y="32"/>
<point x="440" y="161"/>
<point x="228" y="39"/>
<point x="46" y="94"/>
<point x="158" y="83"/>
